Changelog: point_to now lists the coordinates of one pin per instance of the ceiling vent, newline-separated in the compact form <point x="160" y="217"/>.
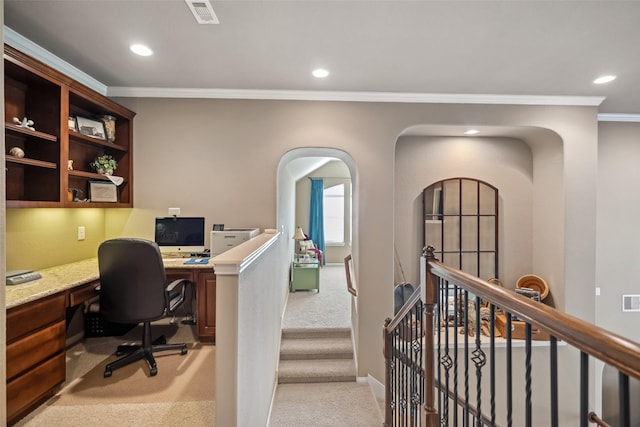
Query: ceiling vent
<point x="203" y="11"/>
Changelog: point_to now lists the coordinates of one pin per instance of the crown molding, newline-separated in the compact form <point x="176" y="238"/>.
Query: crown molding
<point x="25" y="45"/>
<point x="619" y="118"/>
<point x="401" y="97"/>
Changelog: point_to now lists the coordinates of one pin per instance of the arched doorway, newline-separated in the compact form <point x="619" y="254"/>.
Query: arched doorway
<point x="298" y="164"/>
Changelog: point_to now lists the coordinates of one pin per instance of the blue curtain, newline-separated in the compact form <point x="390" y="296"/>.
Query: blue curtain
<point x="316" y="215"/>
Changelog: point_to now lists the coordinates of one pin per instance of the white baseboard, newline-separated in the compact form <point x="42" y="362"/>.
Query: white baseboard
<point x="376" y="386"/>
<point x="273" y="399"/>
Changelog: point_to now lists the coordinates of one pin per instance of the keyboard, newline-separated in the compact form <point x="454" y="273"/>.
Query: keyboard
<point x="17" y="277"/>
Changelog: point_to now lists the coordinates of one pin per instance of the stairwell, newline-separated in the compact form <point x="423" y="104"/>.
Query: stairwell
<point x="317" y="378"/>
<point x="316" y="356"/>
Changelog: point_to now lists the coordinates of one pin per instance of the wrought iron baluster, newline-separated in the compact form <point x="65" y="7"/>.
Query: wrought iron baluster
<point x="439" y="322"/>
<point x="419" y="348"/>
<point x="456" y="321"/>
<point x="584" y="389"/>
<point x="465" y="421"/>
<point x="623" y="391"/>
<point x="412" y="367"/>
<point x="405" y="374"/>
<point x="447" y="364"/>
<point x="553" y="365"/>
<point x="479" y="359"/>
<point x="527" y="400"/>
<point x="509" y="373"/>
<point x="492" y="366"/>
<point x="413" y="391"/>
<point x="393" y="401"/>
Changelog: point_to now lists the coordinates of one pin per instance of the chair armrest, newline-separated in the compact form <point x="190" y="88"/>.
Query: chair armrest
<point x="177" y="296"/>
<point x="177" y="282"/>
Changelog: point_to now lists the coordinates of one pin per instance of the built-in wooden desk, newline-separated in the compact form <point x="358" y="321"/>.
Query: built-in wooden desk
<point x="36" y="324"/>
<point x="205" y="279"/>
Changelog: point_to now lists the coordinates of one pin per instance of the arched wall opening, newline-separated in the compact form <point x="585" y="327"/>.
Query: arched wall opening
<point x="525" y="164"/>
<point x="286" y="203"/>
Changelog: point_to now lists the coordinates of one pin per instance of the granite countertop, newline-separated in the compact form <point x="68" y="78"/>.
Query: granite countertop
<point x="54" y="280"/>
<point x="60" y="278"/>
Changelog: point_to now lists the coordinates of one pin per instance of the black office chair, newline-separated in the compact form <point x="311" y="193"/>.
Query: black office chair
<point x="134" y="289"/>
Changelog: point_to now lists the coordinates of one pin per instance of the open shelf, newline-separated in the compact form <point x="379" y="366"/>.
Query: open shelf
<point x="90" y="175"/>
<point x="77" y="136"/>
<point x="30" y="133"/>
<point x="49" y="98"/>
<point x="30" y="162"/>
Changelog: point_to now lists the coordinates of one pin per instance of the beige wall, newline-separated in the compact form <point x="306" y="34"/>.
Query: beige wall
<point x="220" y="159"/>
<point x="224" y="165"/>
<point x="618" y="231"/>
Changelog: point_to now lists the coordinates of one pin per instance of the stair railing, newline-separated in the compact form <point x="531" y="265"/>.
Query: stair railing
<point x="428" y="357"/>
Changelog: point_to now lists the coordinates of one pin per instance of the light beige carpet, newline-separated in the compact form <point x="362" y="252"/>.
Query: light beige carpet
<point x="325" y="405"/>
<point x="164" y="414"/>
<point x="182" y="393"/>
<point x="329" y="308"/>
<point x="178" y="379"/>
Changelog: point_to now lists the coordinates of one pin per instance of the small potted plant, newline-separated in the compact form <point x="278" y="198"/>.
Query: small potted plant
<point x="104" y="164"/>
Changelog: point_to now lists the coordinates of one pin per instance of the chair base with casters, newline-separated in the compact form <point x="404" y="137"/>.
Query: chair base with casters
<point x="144" y="351"/>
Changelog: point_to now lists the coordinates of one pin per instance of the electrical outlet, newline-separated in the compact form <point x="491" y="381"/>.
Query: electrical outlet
<point x="174" y="211"/>
<point x="81" y="233"/>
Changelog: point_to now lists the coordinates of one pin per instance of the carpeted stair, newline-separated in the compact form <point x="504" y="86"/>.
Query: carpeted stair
<point x="316" y="356"/>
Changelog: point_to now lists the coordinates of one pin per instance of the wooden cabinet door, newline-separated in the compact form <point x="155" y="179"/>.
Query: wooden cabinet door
<point x="206" y="306"/>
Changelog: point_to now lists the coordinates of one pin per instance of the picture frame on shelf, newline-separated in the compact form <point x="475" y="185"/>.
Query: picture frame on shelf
<point x="102" y="191"/>
<point x="92" y="128"/>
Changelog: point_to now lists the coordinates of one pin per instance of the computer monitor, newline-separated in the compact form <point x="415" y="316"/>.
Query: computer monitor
<point x="180" y="234"/>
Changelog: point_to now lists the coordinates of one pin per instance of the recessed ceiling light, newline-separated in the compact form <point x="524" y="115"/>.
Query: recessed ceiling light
<point x="472" y="132"/>
<point x="320" y="73"/>
<point x="141" y="50"/>
<point x="604" y="79"/>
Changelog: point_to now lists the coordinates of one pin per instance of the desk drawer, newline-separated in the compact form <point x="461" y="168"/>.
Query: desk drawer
<point x="29" y="317"/>
<point x="32" y="349"/>
<point x="85" y="293"/>
<point x="39" y="383"/>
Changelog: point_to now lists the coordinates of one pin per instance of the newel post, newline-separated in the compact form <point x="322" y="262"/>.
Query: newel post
<point x="430" y="298"/>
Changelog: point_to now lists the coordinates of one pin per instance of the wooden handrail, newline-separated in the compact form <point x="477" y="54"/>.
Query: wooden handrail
<point x="610" y="348"/>
<point x="347" y="268"/>
<point x="402" y="313"/>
